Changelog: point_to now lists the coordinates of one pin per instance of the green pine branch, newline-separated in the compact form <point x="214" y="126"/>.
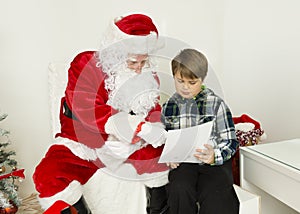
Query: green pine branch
<point x="8" y="187"/>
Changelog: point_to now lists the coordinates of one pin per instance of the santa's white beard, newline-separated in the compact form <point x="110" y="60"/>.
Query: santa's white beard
<point x="134" y="92"/>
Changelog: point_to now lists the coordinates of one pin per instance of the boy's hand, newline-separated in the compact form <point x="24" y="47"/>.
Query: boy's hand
<point x="173" y="165"/>
<point x="206" y="155"/>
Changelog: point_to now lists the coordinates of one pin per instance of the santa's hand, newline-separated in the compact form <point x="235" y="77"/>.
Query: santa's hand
<point x="123" y="126"/>
<point x="120" y="149"/>
<point x="153" y="133"/>
<point x="206" y="155"/>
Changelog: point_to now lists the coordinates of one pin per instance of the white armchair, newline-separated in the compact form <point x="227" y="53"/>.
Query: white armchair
<point x="57" y="81"/>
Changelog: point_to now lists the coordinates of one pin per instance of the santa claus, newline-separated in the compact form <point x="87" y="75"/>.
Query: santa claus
<point x="111" y="135"/>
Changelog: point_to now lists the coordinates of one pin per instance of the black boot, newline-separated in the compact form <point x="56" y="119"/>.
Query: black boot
<point x="157" y="200"/>
<point x="80" y="207"/>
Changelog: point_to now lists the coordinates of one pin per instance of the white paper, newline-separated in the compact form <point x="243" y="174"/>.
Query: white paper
<point x="181" y="144"/>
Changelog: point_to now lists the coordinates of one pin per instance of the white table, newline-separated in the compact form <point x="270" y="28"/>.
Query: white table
<point x="273" y="169"/>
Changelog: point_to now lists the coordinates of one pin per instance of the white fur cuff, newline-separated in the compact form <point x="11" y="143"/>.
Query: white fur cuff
<point x="122" y="125"/>
<point x="71" y="194"/>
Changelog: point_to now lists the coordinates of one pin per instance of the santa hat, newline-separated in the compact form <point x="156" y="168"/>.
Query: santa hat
<point x="248" y="130"/>
<point x="245" y="120"/>
<point x="135" y="33"/>
<point x="136" y="24"/>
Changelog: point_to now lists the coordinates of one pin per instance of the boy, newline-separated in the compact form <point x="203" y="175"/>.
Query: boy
<point x="209" y="183"/>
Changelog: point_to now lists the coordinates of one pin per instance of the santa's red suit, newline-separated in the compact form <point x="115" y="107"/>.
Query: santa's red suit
<point x="108" y="118"/>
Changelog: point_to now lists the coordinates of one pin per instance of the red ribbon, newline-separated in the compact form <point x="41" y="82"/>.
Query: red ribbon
<point x="136" y="138"/>
<point x="17" y="173"/>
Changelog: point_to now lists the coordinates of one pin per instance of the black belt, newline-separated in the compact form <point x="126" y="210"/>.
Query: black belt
<point x="68" y="112"/>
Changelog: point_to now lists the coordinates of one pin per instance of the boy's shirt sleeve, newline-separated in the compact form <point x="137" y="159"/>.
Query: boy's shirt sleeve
<point x="169" y="115"/>
<point x="225" y="137"/>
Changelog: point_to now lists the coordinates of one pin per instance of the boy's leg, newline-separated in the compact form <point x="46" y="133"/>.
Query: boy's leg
<point x="223" y="201"/>
<point x="157" y="200"/>
<point x="216" y="192"/>
<point x="182" y="189"/>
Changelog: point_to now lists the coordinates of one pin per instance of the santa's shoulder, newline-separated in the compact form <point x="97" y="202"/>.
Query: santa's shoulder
<point x="84" y="56"/>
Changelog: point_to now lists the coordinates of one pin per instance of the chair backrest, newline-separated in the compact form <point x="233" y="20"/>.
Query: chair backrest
<point x="57" y="80"/>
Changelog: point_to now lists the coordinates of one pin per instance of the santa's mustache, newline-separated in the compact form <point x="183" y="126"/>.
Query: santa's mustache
<point x="138" y="92"/>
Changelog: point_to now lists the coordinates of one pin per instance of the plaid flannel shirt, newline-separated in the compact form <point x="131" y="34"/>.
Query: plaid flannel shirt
<point x="178" y="113"/>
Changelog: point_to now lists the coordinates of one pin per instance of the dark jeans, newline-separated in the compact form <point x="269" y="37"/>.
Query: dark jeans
<point x="191" y="185"/>
<point x="157" y="200"/>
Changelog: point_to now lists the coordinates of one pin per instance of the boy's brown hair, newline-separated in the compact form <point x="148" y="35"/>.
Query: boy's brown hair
<point x="190" y="63"/>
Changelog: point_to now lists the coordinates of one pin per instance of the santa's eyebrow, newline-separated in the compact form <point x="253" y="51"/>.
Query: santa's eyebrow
<point x="132" y="59"/>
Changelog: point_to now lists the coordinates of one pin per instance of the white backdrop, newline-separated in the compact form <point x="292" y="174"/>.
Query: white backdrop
<point x="252" y="46"/>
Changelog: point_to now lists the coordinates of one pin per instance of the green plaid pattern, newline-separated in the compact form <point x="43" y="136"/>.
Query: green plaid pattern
<point x="178" y="113"/>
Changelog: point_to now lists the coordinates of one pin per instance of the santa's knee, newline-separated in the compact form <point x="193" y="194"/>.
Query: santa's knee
<point x="58" y="169"/>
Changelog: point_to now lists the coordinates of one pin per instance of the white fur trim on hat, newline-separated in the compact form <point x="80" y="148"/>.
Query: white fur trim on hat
<point x="245" y="127"/>
<point x="134" y="44"/>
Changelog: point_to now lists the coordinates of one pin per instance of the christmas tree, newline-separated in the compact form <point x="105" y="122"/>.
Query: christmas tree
<point x="9" y="174"/>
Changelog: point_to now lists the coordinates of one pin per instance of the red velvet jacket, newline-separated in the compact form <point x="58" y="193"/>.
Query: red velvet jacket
<point x="86" y="98"/>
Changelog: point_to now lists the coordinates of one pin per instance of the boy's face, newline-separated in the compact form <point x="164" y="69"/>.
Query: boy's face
<point x="186" y="87"/>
